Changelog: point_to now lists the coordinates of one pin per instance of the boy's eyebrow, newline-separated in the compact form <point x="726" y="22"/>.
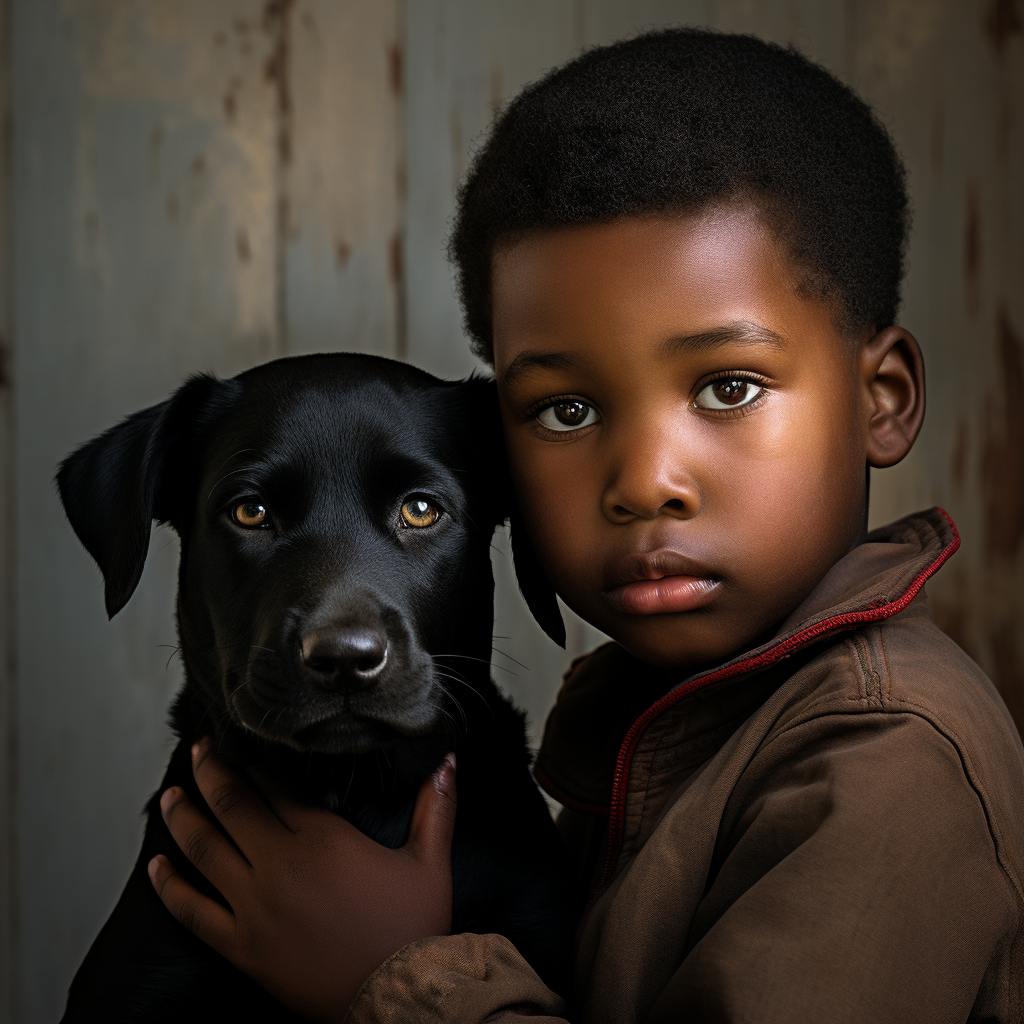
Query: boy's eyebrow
<point x="528" y="360"/>
<point x="740" y="332"/>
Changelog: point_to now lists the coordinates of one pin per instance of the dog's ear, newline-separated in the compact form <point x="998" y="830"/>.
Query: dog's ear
<point x="480" y="424"/>
<point x="533" y="584"/>
<point x="115" y="485"/>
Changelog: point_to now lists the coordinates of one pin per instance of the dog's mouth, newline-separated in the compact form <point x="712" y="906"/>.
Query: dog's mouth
<point x="309" y="719"/>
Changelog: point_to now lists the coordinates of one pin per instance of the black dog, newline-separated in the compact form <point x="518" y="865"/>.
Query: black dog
<point x="335" y="608"/>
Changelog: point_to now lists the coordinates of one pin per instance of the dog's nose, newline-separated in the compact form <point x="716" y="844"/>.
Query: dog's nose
<point x="347" y="658"/>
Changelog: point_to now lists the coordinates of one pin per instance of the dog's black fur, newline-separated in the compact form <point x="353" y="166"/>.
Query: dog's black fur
<point x="332" y="649"/>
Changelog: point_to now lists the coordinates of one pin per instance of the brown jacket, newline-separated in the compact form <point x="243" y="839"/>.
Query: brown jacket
<point x="828" y="828"/>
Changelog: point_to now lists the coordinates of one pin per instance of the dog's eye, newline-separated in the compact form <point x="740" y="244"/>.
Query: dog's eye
<point x="419" y="512"/>
<point x="250" y="514"/>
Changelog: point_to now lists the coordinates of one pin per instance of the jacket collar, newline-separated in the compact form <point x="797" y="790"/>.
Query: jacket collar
<point x="609" y="698"/>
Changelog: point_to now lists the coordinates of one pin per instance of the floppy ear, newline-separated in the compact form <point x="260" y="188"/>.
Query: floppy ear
<point x="116" y="484"/>
<point x="533" y="584"/>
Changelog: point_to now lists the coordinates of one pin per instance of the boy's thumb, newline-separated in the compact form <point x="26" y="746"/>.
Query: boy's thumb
<point x="433" y="817"/>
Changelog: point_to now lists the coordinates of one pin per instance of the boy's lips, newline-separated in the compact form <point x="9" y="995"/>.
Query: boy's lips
<point x="656" y="582"/>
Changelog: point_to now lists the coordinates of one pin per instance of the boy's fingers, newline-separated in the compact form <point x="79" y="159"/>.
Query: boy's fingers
<point x="433" y="817"/>
<point x="238" y="807"/>
<point x="197" y="837"/>
<point x="205" y="918"/>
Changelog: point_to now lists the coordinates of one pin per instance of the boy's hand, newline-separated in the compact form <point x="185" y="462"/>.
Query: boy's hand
<point x="315" y="906"/>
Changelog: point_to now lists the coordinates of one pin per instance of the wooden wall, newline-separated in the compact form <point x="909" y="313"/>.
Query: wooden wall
<point x="194" y="185"/>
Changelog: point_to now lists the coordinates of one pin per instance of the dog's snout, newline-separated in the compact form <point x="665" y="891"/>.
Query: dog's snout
<point x="346" y="657"/>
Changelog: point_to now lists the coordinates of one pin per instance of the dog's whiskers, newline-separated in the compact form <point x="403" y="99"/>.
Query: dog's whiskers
<point x="451" y="696"/>
<point x="497" y="650"/>
<point x="483" y="661"/>
<point x="453" y="677"/>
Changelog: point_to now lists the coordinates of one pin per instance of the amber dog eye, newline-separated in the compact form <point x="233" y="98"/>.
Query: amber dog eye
<point x="250" y="514"/>
<point x="419" y="512"/>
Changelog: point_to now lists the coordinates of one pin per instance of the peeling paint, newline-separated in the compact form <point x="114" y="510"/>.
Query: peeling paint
<point x="1002" y="457"/>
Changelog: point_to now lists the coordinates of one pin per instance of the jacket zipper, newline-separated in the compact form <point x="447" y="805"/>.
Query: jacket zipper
<point x="838" y="623"/>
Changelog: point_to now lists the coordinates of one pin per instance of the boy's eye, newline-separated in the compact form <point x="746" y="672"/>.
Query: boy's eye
<point x="728" y="393"/>
<point x="568" y="414"/>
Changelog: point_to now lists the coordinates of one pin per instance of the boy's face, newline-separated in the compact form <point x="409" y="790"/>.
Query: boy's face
<point x="686" y="433"/>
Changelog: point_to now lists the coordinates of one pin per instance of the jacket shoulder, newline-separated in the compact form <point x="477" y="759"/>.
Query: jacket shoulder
<point x="907" y="666"/>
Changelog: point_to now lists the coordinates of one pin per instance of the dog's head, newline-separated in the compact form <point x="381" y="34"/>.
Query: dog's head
<point x="335" y="515"/>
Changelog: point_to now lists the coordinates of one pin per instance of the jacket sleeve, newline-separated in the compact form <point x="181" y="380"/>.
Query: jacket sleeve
<point x="857" y="880"/>
<point x="466" y="978"/>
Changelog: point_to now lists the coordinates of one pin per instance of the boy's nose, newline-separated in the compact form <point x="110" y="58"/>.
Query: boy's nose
<point x="649" y="484"/>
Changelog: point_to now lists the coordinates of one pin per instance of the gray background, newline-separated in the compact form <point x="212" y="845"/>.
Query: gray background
<point x="205" y="184"/>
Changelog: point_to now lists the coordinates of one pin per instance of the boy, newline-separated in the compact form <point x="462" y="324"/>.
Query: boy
<point x="790" y="796"/>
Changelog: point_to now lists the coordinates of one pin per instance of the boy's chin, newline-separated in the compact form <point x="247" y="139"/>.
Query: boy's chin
<point x="690" y="642"/>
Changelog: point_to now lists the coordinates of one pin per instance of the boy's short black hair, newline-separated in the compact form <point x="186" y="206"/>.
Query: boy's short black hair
<point x="677" y="120"/>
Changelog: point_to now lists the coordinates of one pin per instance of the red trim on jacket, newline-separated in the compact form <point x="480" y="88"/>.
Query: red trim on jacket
<point x="617" y="811"/>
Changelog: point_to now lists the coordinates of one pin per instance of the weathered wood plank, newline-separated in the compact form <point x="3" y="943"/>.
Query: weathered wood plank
<point x="342" y="176"/>
<point x="143" y="249"/>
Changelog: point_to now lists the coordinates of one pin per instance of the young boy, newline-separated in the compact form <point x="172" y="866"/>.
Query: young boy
<point x="790" y="796"/>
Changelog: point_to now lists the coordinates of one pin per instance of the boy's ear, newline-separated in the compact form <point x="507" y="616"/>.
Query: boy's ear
<point x="115" y="485"/>
<point x="892" y="368"/>
<point x="536" y="590"/>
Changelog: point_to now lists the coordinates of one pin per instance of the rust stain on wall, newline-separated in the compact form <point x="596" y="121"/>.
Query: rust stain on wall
<point x="497" y="87"/>
<point x="938" y="137"/>
<point x="395" y="68"/>
<point x="396" y="260"/>
<point x="958" y="462"/>
<point x="242" y="245"/>
<point x="1002" y="21"/>
<point x="1002" y="456"/>
<point x="342" y="251"/>
<point x="972" y="246"/>
<point x="277" y="25"/>
<point x="398" y="279"/>
<point x="230" y="99"/>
